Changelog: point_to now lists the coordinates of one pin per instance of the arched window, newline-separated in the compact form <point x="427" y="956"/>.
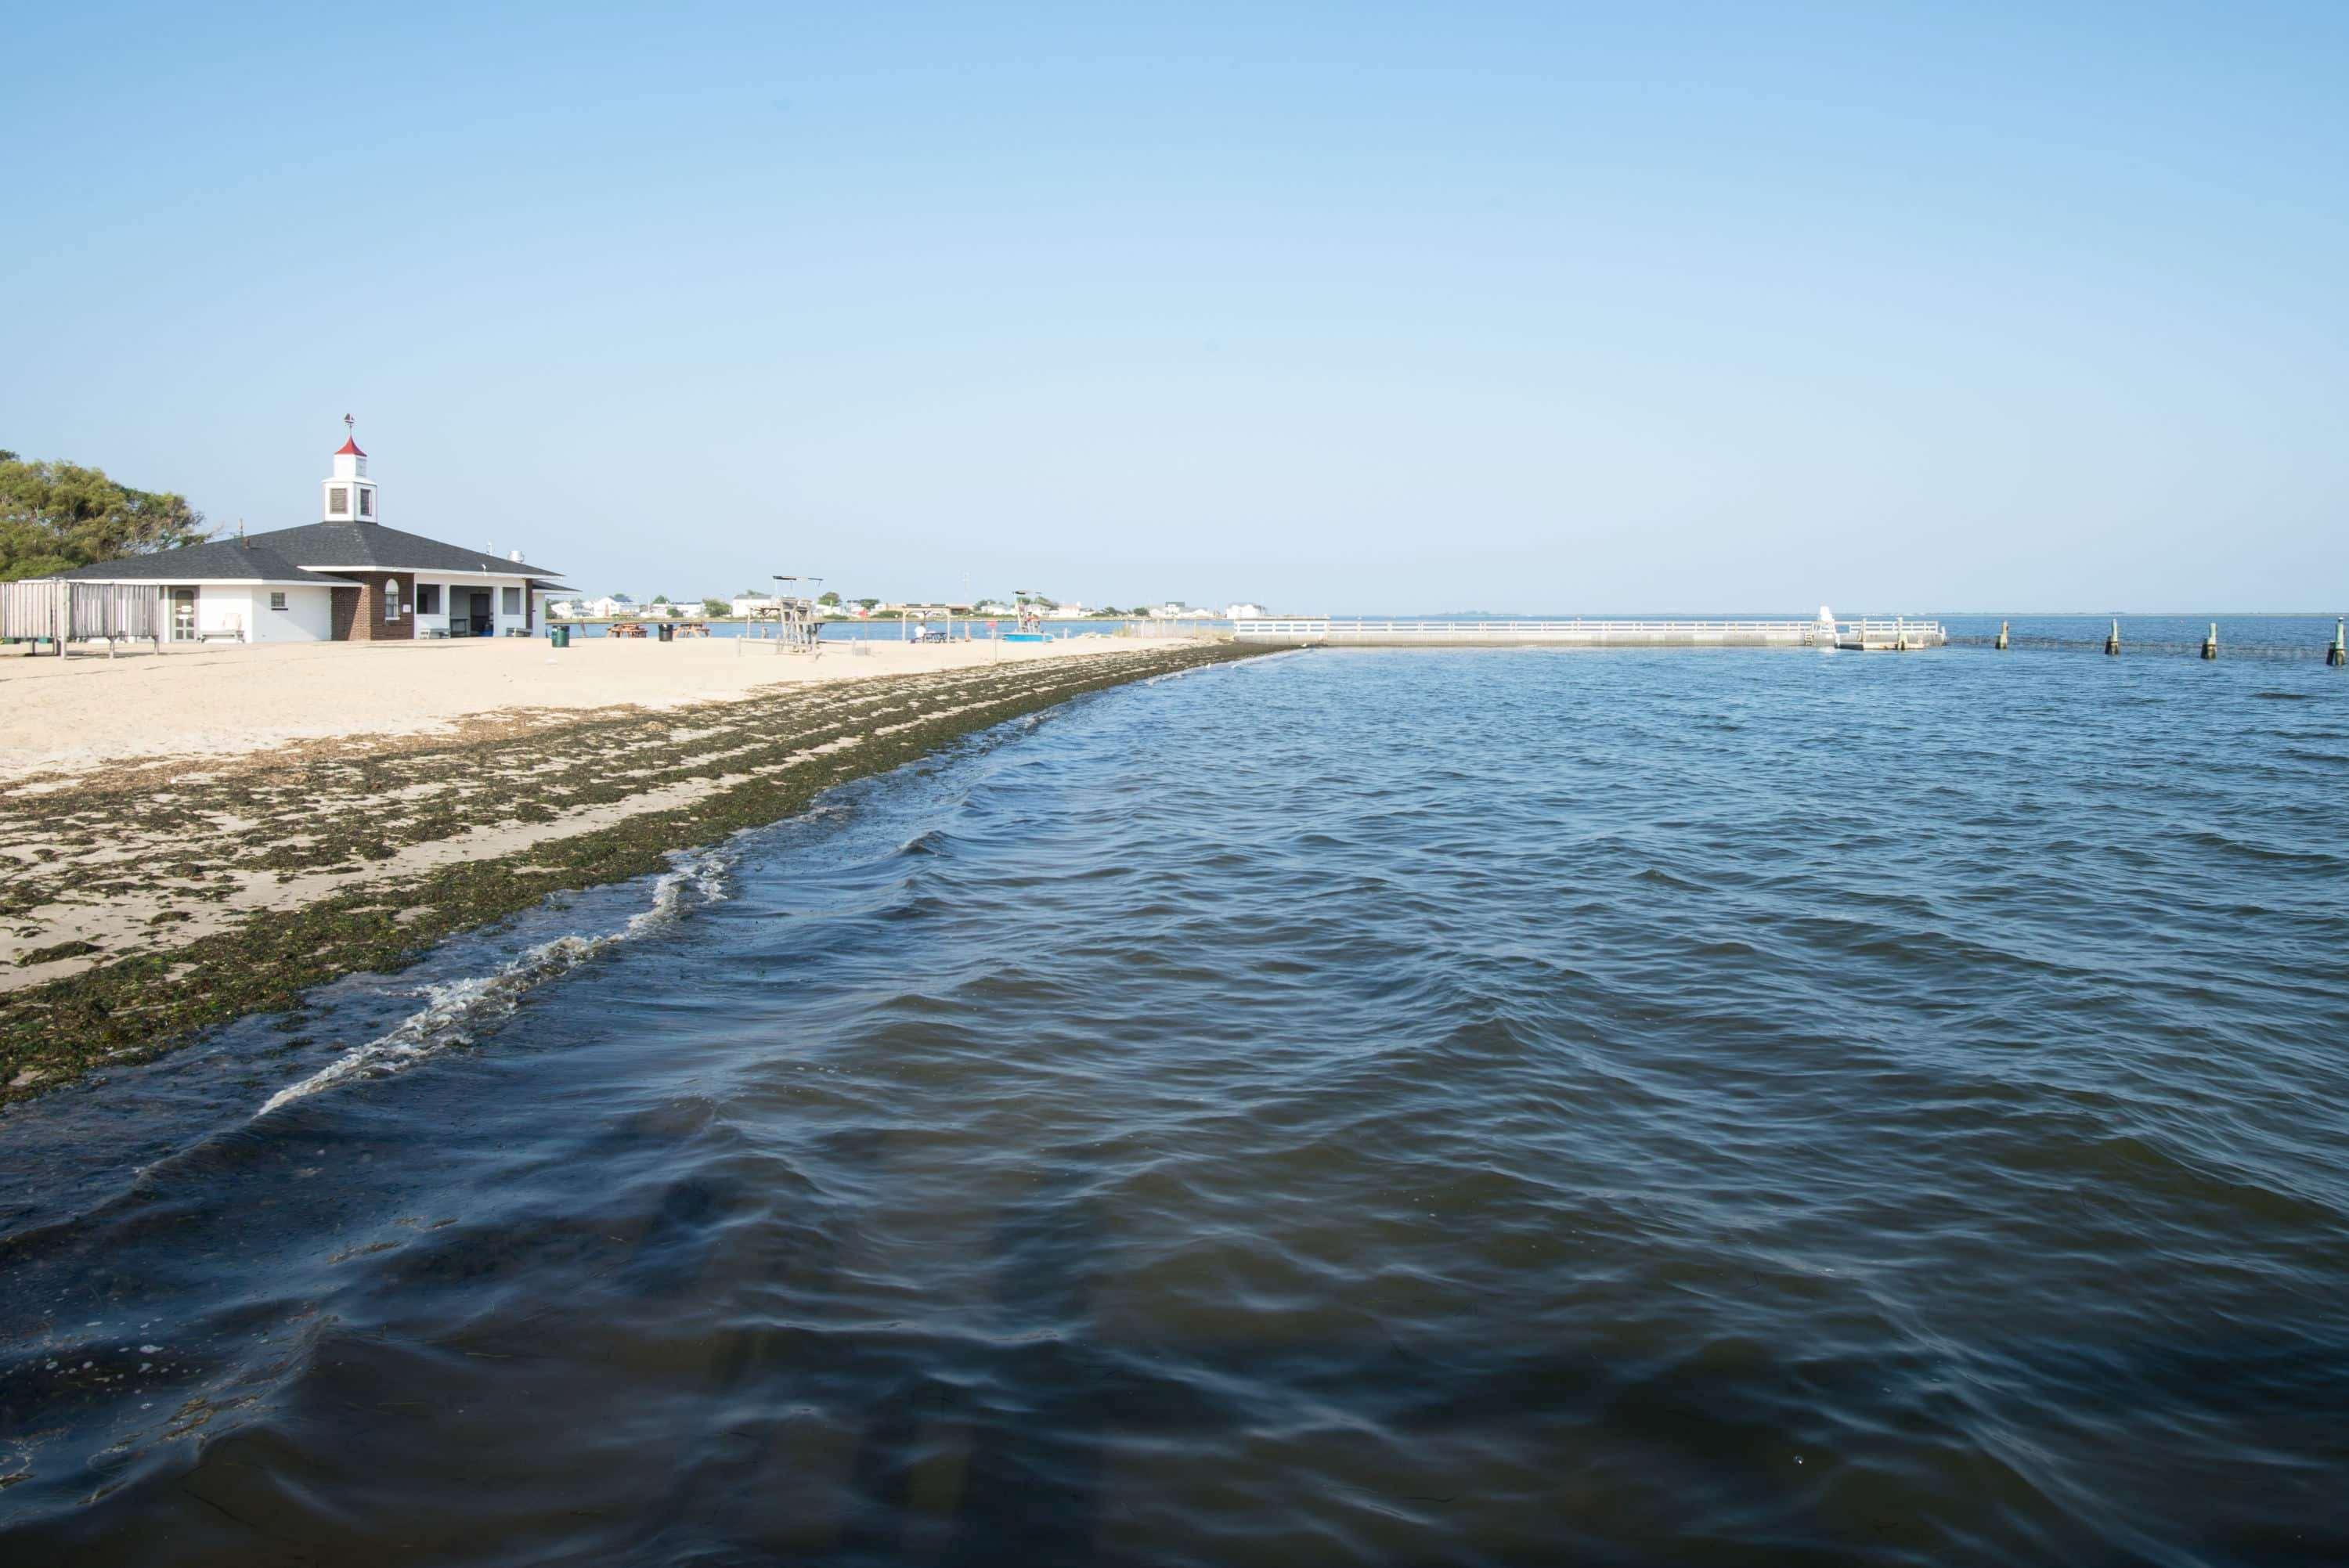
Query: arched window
<point x="391" y="598"/>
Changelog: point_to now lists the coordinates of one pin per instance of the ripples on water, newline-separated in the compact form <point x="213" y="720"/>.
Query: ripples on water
<point x="1410" y="1107"/>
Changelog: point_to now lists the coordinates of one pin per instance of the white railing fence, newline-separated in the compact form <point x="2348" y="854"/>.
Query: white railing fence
<point x="1169" y="629"/>
<point x="65" y="613"/>
<point x="1803" y="633"/>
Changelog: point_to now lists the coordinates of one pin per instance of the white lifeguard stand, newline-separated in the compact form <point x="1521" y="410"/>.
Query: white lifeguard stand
<point x="798" y="627"/>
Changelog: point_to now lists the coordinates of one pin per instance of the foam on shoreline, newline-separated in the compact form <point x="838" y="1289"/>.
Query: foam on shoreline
<point x="458" y="1012"/>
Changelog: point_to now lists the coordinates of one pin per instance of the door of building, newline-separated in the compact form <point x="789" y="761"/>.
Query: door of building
<point x="183" y="615"/>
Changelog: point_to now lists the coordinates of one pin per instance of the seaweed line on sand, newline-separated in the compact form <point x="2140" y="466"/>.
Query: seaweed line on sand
<point x="280" y="879"/>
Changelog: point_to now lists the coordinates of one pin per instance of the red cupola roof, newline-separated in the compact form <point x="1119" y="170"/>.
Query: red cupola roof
<point x="349" y="449"/>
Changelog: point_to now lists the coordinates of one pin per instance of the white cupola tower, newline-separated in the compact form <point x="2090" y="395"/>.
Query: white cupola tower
<point x="348" y="495"/>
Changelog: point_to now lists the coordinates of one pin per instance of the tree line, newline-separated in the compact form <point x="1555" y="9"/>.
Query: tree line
<point x="55" y="516"/>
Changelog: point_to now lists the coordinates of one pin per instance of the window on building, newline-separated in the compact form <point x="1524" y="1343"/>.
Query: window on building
<point x="428" y="598"/>
<point x="338" y="500"/>
<point x="514" y="602"/>
<point x="277" y="601"/>
<point x="367" y="502"/>
<point x="391" y="598"/>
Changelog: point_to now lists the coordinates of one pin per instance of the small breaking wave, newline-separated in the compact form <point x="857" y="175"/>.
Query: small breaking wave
<point x="460" y="1012"/>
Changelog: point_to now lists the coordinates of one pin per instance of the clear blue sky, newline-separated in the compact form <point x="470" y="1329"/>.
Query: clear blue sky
<point x="1357" y="308"/>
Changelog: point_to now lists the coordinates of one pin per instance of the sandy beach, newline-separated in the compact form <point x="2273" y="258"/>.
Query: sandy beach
<point x="202" y="701"/>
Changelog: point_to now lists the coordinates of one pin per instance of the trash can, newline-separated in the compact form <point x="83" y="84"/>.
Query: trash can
<point x="667" y="633"/>
<point x="558" y="636"/>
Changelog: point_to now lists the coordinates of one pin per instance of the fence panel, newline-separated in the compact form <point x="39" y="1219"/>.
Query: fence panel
<point x="117" y="611"/>
<point x="77" y="612"/>
<point x="35" y="609"/>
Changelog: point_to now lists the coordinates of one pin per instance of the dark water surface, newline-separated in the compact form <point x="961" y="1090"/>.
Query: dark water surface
<point x="1385" y="1107"/>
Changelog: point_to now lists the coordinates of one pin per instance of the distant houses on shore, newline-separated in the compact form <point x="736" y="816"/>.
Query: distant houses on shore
<point x="753" y="607"/>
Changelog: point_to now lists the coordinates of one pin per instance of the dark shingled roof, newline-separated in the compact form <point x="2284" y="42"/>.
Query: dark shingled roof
<point x="359" y="546"/>
<point x="329" y="546"/>
<point x="214" y="559"/>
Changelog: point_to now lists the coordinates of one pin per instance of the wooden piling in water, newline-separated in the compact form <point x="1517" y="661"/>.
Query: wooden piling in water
<point x="2113" y="642"/>
<point x="2000" y="643"/>
<point x="2210" y="643"/>
<point x="2337" y="655"/>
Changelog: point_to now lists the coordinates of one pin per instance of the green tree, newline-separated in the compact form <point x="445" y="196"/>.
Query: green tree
<point x="714" y="608"/>
<point x="55" y="516"/>
<point x="868" y="603"/>
<point x="830" y="598"/>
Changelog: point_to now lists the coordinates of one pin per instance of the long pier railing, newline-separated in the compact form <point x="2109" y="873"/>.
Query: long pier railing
<point x="1871" y="633"/>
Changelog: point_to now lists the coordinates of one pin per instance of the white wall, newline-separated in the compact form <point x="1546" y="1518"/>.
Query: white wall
<point x="223" y="608"/>
<point x="219" y="611"/>
<point x="308" y="615"/>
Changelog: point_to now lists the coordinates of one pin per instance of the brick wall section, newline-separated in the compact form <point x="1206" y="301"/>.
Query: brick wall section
<point x="359" y="616"/>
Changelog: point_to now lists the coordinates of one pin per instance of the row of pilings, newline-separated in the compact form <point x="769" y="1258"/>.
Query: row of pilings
<point x="2336" y="652"/>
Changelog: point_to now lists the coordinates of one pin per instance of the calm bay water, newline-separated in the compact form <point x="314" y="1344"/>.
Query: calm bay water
<point x="1412" y="1107"/>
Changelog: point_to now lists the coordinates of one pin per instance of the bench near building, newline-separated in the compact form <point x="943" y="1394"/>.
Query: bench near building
<point x="344" y="578"/>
